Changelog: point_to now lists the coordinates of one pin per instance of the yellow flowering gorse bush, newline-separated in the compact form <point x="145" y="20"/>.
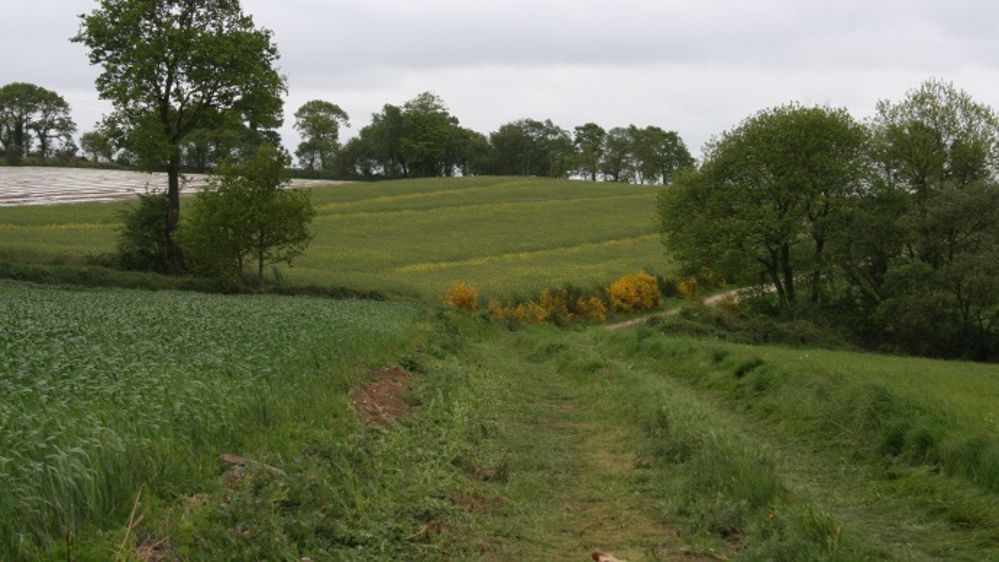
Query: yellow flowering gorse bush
<point x="635" y="292"/>
<point x="463" y="296"/>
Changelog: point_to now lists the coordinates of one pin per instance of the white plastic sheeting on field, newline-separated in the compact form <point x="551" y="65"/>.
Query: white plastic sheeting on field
<point x="50" y="186"/>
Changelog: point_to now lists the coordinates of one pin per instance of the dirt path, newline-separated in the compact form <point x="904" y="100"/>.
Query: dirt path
<point x="574" y="484"/>
<point x="710" y="301"/>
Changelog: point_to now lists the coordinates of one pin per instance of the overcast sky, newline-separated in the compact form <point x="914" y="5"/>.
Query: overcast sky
<point x="698" y="67"/>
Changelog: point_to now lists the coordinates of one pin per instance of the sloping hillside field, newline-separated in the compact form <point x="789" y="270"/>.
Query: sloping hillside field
<point x="508" y="236"/>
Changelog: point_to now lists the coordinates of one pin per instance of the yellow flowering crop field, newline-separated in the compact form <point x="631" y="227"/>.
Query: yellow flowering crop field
<point x="509" y="236"/>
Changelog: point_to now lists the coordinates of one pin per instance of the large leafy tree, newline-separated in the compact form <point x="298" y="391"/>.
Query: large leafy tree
<point x="430" y="136"/>
<point x="173" y="67"/>
<point x="618" y="162"/>
<point x="474" y="153"/>
<point x="319" y="123"/>
<point x="27" y="111"/>
<point x="419" y="139"/>
<point x="919" y="251"/>
<point x="97" y="146"/>
<point x="658" y="153"/>
<point x="533" y="148"/>
<point x="766" y="194"/>
<point x="589" y="140"/>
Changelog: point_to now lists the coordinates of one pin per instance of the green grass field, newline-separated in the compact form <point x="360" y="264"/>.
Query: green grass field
<point x="537" y="443"/>
<point x="541" y="444"/>
<point x="509" y="236"/>
<point x="104" y="391"/>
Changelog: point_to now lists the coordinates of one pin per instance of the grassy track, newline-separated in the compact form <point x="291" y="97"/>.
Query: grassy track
<point x="542" y="444"/>
<point x="655" y="448"/>
<point x="570" y="483"/>
<point x="510" y="236"/>
<point x="905" y="464"/>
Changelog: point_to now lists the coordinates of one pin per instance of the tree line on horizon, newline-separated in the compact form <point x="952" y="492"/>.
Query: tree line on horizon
<point x="419" y="138"/>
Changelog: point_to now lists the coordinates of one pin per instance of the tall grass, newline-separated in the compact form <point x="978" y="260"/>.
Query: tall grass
<point x="902" y="411"/>
<point x="102" y="391"/>
<point x="716" y="478"/>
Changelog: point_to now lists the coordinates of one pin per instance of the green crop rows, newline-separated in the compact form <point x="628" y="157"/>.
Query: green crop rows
<point x="508" y="236"/>
<point x="103" y="390"/>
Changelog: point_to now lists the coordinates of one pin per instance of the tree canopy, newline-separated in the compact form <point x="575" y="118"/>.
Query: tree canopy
<point x="894" y="226"/>
<point x="174" y="67"/>
<point x="920" y="251"/>
<point x="765" y="193"/>
<point x="589" y="141"/>
<point x="530" y="147"/>
<point x="319" y="123"/>
<point x="248" y="216"/>
<point x="30" y="113"/>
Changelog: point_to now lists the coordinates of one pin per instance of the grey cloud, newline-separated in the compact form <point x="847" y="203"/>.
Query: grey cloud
<point x="698" y="67"/>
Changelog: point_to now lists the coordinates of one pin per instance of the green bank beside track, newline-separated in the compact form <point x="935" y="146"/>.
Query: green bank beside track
<point x="537" y="444"/>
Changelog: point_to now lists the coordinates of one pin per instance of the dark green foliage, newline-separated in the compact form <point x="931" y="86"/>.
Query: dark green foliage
<point x="589" y="140"/>
<point x="319" y="123"/>
<point x="172" y="68"/>
<point x="657" y="154"/>
<point x="30" y="113"/>
<point x="532" y="148"/>
<point x="422" y="139"/>
<point x="919" y="251"/>
<point x="894" y="229"/>
<point x="763" y="199"/>
<point x="248" y="217"/>
<point x="142" y="241"/>
<point x="419" y="139"/>
<point x="14" y="155"/>
<point x="617" y="163"/>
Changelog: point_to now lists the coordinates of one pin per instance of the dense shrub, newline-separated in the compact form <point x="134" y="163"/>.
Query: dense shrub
<point x="562" y="307"/>
<point x="746" y="323"/>
<point x="247" y="218"/>
<point x="463" y="296"/>
<point x="592" y="307"/>
<point x="635" y="292"/>
<point x="142" y="241"/>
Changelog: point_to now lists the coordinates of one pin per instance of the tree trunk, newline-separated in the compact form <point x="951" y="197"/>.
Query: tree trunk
<point x="173" y="253"/>
<point x="774" y="274"/>
<point x="787" y="271"/>
<point x="820" y="243"/>
<point x="20" y="147"/>
<point x="260" y="267"/>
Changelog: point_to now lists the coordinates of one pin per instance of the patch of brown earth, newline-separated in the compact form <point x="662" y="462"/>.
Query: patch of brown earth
<point x="380" y="401"/>
<point x="151" y="550"/>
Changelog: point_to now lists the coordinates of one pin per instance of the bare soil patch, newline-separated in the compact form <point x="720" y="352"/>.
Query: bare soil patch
<point x="152" y="550"/>
<point x="381" y="400"/>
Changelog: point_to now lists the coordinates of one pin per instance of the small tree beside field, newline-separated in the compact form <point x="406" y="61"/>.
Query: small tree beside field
<point x="247" y="217"/>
